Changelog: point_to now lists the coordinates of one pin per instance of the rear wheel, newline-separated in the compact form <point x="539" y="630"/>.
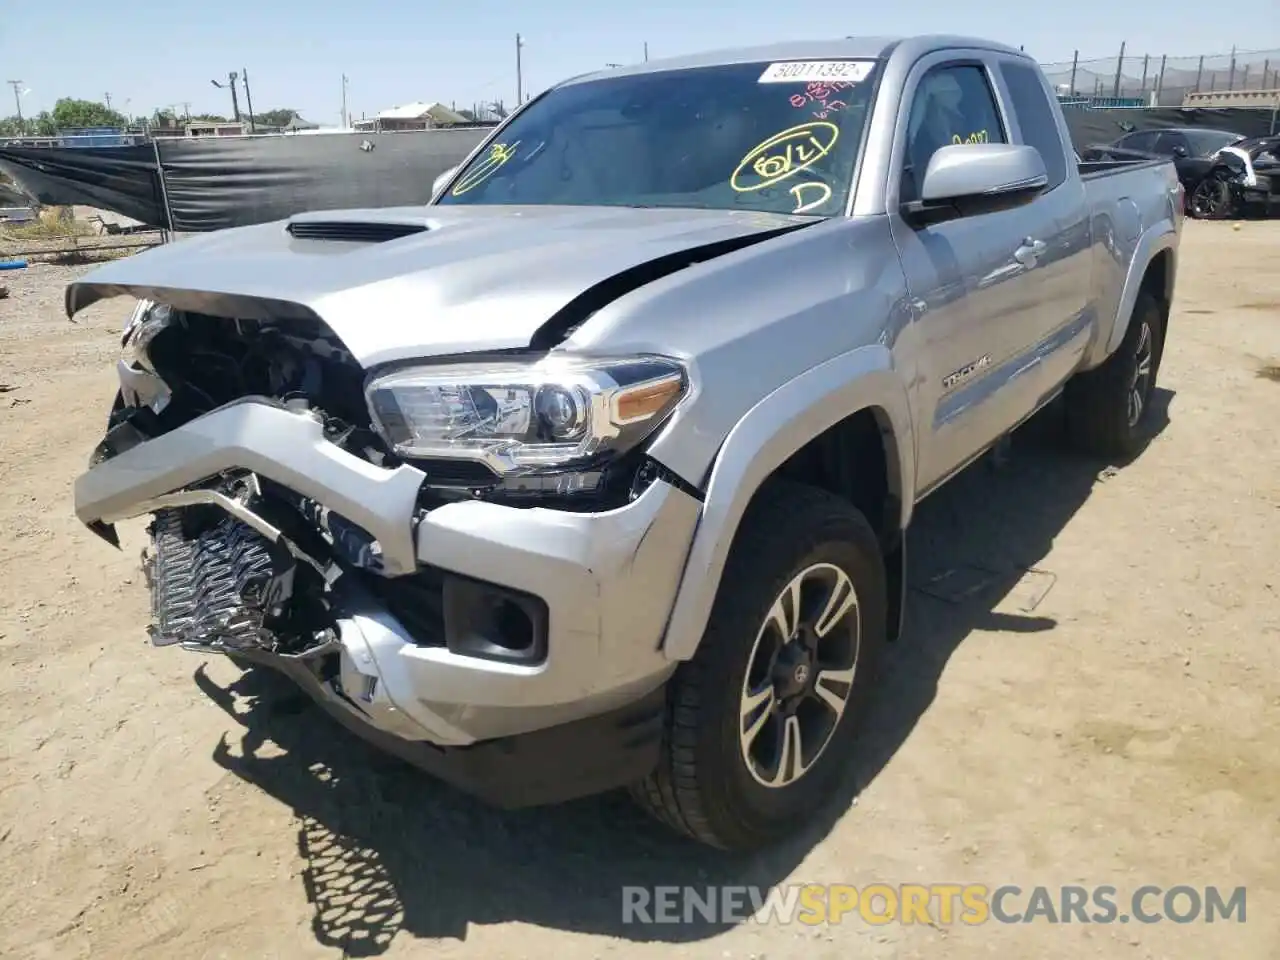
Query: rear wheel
<point x="1108" y="408"/>
<point x="761" y="722"/>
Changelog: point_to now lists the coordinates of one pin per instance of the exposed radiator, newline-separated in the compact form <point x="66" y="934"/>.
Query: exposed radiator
<point x="205" y="590"/>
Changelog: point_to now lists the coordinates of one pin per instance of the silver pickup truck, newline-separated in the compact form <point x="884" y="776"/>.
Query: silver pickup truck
<point x="595" y="470"/>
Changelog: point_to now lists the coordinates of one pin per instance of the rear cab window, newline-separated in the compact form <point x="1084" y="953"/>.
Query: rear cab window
<point x="1036" y="118"/>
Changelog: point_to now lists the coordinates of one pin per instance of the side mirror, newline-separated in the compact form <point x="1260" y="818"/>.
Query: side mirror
<point x="966" y="180"/>
<point x="441" y="180"/>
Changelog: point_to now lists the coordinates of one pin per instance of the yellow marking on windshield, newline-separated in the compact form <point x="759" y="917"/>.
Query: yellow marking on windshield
<point x="499" y="154"/>
<point x="798" y="192"/>
<point x="978" y="136"/>
<point x="784" y="155"/>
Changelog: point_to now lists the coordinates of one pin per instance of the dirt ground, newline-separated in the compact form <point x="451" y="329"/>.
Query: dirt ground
<point x="1120" y="728"/>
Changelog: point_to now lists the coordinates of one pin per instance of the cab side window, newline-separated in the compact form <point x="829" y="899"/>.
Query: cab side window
<point x="1170" y="142"/>
<point x="1036" y="118"/>
<point x="952" y="105"/>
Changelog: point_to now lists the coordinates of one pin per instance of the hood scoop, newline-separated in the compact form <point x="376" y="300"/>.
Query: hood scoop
<point x="353" y="231"/>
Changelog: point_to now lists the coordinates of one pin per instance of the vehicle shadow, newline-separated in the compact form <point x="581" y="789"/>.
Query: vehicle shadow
<point x="390" y="851"/>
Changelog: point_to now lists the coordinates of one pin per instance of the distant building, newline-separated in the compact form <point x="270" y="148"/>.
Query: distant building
<point x="1233" y="98"/>
<point x="295" y="124"/>
<point x="210" y="128"/>
<point x="412" y="116"/>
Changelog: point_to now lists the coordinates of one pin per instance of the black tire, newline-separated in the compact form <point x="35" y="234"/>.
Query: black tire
<point x="1212" y="199"/>
<point x="703" y="786"/>
<point x="1099" y="415"/>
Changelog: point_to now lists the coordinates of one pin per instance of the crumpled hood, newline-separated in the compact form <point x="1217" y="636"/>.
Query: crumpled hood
<point x="476" y="278"/>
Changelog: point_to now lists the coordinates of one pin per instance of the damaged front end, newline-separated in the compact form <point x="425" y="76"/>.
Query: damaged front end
<point x="370" y="532"/>
<point x="238" y="562"/>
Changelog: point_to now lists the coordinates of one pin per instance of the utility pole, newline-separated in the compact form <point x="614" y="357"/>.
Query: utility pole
<point x="346" y="120"/>
<point x="519" y="73"/>
<point x="107" y="97"/>
<point x="1115" y="89"/>
<point x="17" y="96"/>
<point x="646" y="51"/>
<point x="232" y="77"/>
<point x="248" y="99"/>
<point x="186" y="110"/>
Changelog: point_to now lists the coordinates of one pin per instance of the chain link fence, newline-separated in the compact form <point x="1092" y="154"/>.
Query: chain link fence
<point x="1238" y="79"/>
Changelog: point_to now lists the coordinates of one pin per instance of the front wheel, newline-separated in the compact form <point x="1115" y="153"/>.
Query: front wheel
<point x="761" y="722"/>
<point x="1212" y="199"/>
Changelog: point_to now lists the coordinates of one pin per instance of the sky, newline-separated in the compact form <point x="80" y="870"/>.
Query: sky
<point x="150" y="54"/>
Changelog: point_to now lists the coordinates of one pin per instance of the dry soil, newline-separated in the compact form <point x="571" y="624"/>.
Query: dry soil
<point x="1109" y="717"/>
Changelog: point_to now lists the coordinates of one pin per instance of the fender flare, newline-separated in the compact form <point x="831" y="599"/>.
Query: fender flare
<point x="1158" y="238"/>
<point x="766" y="436"/>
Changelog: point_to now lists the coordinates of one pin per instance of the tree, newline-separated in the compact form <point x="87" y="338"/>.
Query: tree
<point x="41" y="125"/>
<point x="69" y="114"/>
<point x="279" y="117"/>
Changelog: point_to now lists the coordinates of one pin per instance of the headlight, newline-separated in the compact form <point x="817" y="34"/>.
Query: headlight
<point x="148" y="319"/>
<point x="521" y="418"/>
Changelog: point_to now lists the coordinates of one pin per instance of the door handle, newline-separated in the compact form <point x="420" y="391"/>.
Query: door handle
<point x="1030" y="251"/>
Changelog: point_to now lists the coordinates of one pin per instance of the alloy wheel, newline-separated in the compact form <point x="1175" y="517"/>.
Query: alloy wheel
<point x="1140" y="386"/>
<point x="799" y="675"/>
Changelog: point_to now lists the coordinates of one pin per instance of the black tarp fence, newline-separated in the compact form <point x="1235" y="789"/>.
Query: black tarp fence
<point x="1092" y="127"/>
<point x="201" y="184"/>
<point x="124" y="180"/>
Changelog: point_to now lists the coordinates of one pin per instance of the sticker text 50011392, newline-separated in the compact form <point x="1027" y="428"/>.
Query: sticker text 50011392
<point x="850" y="71"/>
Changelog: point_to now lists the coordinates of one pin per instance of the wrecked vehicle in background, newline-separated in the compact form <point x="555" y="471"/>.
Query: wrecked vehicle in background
<point x="595" y="471"/>
<point x="1241" y="179"/>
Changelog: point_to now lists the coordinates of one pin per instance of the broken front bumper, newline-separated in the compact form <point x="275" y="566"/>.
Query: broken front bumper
<point x="604" y="581"/>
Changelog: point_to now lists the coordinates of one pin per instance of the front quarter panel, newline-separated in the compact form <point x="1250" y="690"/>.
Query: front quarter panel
<point x="748" y="323"/>
<point x="783" y="340"/>
<point x="778" y="426"/>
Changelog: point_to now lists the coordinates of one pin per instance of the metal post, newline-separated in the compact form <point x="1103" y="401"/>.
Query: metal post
<point x="1266" y="68"/>
<point x="1075" y="62"/>
<point x="248" y="99"/>
<point x="164" y="194"/>
<point x="1231" y="74"/>
<point x="1160" y="80"/>
<point x="346" y="120"/>
<point x="1199" y="73"/>
<point x="519" y="73"/>
<point x="17" y="97"/>
<point x="1115" y="90"/>
<point x="1244" y="78"/>
<point x="646" y="51"/>
<point x="1145" y="59"/>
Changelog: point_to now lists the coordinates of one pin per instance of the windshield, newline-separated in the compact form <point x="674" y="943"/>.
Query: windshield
<point x="780" y="137"/>
<point x="1205" y="142"/>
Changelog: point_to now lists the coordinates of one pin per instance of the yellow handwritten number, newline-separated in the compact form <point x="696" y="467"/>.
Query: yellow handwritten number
<point x="978" y="136"/>
<point x="784" y="155"/>
<point x="499" y="154"/>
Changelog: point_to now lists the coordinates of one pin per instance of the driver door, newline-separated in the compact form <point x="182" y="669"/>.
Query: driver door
<point x="971" y="281"/>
